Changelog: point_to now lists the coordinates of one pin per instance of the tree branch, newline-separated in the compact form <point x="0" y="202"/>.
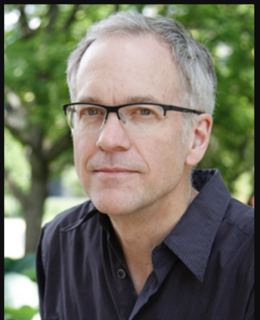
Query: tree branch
<point x="62" y="163"/>
<point x="18" y="194"/>
<point x="18" y="134"/>
<point x="13" y="114"/>
<point x="58" y="147"/>
<point x="71" y="17"/>
<point x="117" y="7"/>
<point x="26" y="32"/>
<point x="53" y="12"/>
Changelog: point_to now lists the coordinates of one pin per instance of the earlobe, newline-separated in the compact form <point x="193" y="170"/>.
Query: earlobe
<point x="200" y="139"/>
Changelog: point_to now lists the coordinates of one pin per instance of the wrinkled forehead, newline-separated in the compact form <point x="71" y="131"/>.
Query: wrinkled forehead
<point x="131" y="63"/>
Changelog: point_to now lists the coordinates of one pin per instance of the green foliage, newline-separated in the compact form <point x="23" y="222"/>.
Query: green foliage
<point x="38" y="78"/>
<point x="15" y="160"/>
<point x="24" y="313"/>
<point x="25" y="266"/>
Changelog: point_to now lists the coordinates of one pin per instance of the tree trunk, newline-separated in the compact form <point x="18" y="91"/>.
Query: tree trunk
<point x="40" y="159"/>
<point x="34" y="205"/>
<point x="34" y="210"/>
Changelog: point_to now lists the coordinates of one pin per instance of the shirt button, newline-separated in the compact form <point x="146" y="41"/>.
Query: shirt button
<point x="121" y="274"/>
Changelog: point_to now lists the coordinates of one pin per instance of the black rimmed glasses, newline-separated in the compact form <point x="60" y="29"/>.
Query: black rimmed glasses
<point x="139" y="117"/>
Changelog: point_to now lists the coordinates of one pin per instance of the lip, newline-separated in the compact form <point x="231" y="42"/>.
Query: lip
<point x="115" y="170"/>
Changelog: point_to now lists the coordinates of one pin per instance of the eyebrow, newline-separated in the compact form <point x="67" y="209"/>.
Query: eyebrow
<point x="129" y="100"/>
<point x="143" y="98"/>
<point x="90" y="99"/>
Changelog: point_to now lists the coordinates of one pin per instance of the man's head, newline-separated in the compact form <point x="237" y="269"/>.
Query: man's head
<point x="196" y="71"/>
<point x="125" y="168"/>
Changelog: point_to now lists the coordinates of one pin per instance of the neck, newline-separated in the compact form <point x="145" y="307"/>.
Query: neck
<point x="149" y="228"/>
<point x="140" y="232"/>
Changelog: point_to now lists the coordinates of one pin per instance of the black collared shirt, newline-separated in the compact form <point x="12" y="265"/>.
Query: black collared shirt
<point x="203" y="270"/>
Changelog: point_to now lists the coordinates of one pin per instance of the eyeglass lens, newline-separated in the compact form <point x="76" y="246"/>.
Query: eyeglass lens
<point x="91" y="118"/>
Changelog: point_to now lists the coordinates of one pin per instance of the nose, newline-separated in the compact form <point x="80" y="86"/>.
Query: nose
<point x="113" y="136"/>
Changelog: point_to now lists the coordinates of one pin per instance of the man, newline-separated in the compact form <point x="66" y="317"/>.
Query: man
<point x="158" y="240"/>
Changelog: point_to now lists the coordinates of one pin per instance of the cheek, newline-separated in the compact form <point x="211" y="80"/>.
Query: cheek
<point x="167" y="158"/>
<point x="83" y="148"/>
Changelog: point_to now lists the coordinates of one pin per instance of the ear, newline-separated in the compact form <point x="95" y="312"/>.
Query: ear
<point x="199" y="139"/>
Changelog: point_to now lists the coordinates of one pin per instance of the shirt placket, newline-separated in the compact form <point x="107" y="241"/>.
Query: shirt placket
<point x="163" y="261"/>
<point x="118" y="278"/>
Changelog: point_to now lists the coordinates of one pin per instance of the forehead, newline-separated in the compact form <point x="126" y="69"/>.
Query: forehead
<point x="118" y="65"/>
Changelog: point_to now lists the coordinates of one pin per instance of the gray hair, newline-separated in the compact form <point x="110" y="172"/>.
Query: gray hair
<point x="197" y="75"/>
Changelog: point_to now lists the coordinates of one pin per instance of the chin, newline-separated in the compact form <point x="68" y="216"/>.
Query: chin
<point x="114" y="207"/>
<point x="110" y="200"/>
<point x="110" y="209"/>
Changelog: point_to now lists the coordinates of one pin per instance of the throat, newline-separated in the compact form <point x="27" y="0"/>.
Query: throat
<point x="139" y="275"/>
<point x="138" y="235"/>
<point x="137" y="253"/>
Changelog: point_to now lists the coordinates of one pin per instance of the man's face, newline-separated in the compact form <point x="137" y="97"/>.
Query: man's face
<point x="124" y="172"/>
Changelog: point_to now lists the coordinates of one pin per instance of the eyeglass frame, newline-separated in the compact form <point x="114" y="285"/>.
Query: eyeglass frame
<point x="115" y="109"/>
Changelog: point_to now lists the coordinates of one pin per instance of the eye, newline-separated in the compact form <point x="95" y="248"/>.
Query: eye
<point x="144" y="112"/>
<point x="140" y="111"/>
<point x="90" y="111"/>
<point x="148" y="112"/>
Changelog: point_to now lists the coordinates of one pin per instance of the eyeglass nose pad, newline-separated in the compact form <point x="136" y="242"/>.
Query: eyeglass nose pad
<point x="119" y="115"/>
<point x="122" y="117"/>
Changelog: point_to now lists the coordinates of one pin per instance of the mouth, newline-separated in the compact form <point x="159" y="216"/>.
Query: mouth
<point x="115" y="177"/>
<point x="114" y="170"/>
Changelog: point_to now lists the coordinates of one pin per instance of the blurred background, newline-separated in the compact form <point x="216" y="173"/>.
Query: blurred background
<point x="40" y="179"/>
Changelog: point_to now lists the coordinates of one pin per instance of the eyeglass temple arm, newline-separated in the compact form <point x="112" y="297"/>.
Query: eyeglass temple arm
<point x="181" y="109"/>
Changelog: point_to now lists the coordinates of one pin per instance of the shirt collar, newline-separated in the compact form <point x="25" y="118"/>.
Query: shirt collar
<point x="86" y="212"/>
<point x="192" y="238"/>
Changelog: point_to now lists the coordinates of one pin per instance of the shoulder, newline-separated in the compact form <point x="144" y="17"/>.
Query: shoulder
<point x="240" y="217"/>
<point x="235" y="236"/>
<point x="66" y="220"/>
